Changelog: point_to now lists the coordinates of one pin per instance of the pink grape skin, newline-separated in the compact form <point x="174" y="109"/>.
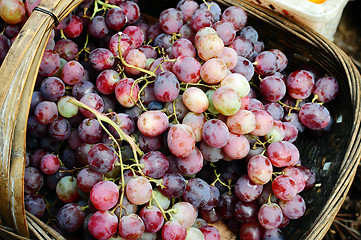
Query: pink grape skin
<point x="197" y="192"/>
<point x="243" y="47"/>
<point x="131" y="11"/>
<point x="213" y="199"/>
<point x="50" y="63"/>
<point x="270" y="215"/>
<point x="195" y="100"/>
<point x="191" y="164"/>
<point x="152" y="123"/>
<point x="259" y="169"/>
<point x="246" y="190"/>
<point x="92" y="100"/>
<point x="87" y="178"/>
<point x="264" y="122"/>
<point x="236" y="15"/>
<point x="297" y="175"/>
<point x="295" y="154"/>
<point x="282" y="60"/>
<point x="284" y="187"/>
<point x="33" y="180"/>
<point x="275" y="109"/>
<point x="97" y="27"/>
<point x="46" y="112"/>
<point x="171" y="20"/>
<point x="101" y="158"/>
<point x="279" y="154"/>
<point x="196" y="121"/>
<point x="181" y="140"/>
<point x="242" y="122"/>
<point x="72" y="73"/>
<point x="187" y="8"/>
<point x="246" y="211"/>
<point x="155" y="164"/>
<point x="310" y="176"/>
<point x="101" y="59"/>
<point x="277" y="133"/>
<point x="125" y="44"/>
<point x="237" y="146"/>
<point x="185" y="213"/>
<point x="166" y="86"/>
<point x="173" y="230"/>
<point x="272" y="89"/>
<point x="131" y="227"/>
<point x="134" y="57"/>
<point x="74" y="28"/>
<point x="184" y="47"/>
<point x="293" y="208"/>
<point x="66" y="48"/>
<point x="326" y="88"/>
<point x="213" y="71"/>
<point x="300" y="84"/>
<point x="203" y="32"/>
<point x="187" y="32"/>
<point x="273" y="234"/>
<point x="251" y="231"/>
<point x="174" y="185"/>
<point x="266" y="63"/>
<point x="147" y="144"/>
<point x="103" y="224"/>
<point x="215" y="133"/>
<point x="49" y="164"/>
<point x="152" y="217"/>
<point x="210" y="233"/>
<point x="90" y="131"/>
<point x="226" y="101"/>
<point x="104" y="195"/>
<point x="255" y="104"/>
<point x="314" y="116"/>
<point x="291" y="132"/>
<point x="229" y="57"/>
<point x="295" y="121"/>
<point x="136" y="35"/>
<point x="225" y="31"/>
<point x="139" y="190"/>
<point x="200" y="19"/>
<point x="126" y="92"/>
<point x="149" y="51"/>
<point x="187" y="69"/>
<point x="82" y="88"/>
<point x="52" y="88"/>
<point x="209" y="153"/>
<point x="210" y="46"/>
<point x="238" y="83"/>
<point x="106" y="81"/>
<point x="115" y="19"/>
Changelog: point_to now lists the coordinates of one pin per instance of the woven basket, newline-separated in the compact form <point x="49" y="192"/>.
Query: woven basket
<point x="339" y="150"/>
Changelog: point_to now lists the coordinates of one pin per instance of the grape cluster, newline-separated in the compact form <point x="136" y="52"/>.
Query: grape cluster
<point x="143" y="129"/>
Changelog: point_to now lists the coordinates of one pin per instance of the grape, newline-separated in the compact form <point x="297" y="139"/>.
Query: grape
<point x="149" y="51"/>
<point x="33" y="180"/>
<point x="106" y="81"/>
<point x="275" y="109"/>
<point x="309" y="175"/>
<point x="215" y="133"/>
<point x="236" y="15"/>
<point x="139" y="190"/>
<point x="185" y="213"/>
<point x="67" y="189"/>
<point x="166" y="86"/>
<point x="46" y="112"/>
<point x="50" y="63"/>
<point x="131" y="11"/>
<point x="187" y="8"/>
<point x="291" y="132"/>
<point x="267" y="63"/>
<point x="124" y="44"/>
<point x="238" y="83"/>
<point x="35" y="157"/>
<point x="264" y="122"/>
<point x="97" y="27"/>
<point x="66" y="48"/>
<point x="191" y="164"/>
<point x="225" y="31"/>
<point x="174" y="185"/>
<point x="270" y="215"/>
<point x="259" y="169"/>
<point x="126" y="92"/>
<point x="12" y="12"/>
<point x="211" y="216"/>
<point x="197" y="192"/>
<point x="131" y="226"/>
<point x="213" y="71"/>
<point x="134" y="58"/>
<point x="155" y="164"/>
<point x="87" y="178"/>
<point x="184" y="47"/>
<point x="148" y="144"/>
<point x="279" y="154"/>
<point x="52" y="88"/>
<point x="242" y="122"/>
<point x="244" y="67"/>
<point x="101" y="59"/>
<point x="152" y="123"/>
<point x="181" y="140"/>
<point x="104" y="195"/>
<point x="65" y="108"/>
<point x="252" y="230"/>
<point x="124" y="122"/>
<point x="314" y="116"/>
<point x="243" y="47"/>
<point x="237" y="146"/>
<point x="210" y="46"/>
<point x="187" y="69"/>
<point x="213" y="199"/>
<point x="196" y="122"/>
<point x="115" y="19"/>
<point x="209" y="153"/>
<point x="171" y="20"/>
<point x="226" y="101"/>
<point x="49" y="164"/>
<point x="101" y="158"/>
<point x="246" y="190"/>
<point x="70" y="217"/>
<point x="136" y="35"/>
<point x="300" y="84"/>
<point x="326" y="88"/>
<point x="210" y="233"/>
<point x="246" y="211"/>
<point x="226" y="205"/>
<point x="92" y="100"/>
<point x="195" y="100"/>
<point x="277" y="133"/>
<point x="293" y="208"/>
<point x="103" y="224"/>
<point x="273" y="234"/>
<point x="173" y="230"/>
<point x="284" y="187"/>
<point x="200" y="19"/>
<point x="229" y="57"/>
<point x="35" y="204"/>
<point x="295" y="154"/>
<point x="74" y="27"/>
<point x="272" y="89"/>
<point x="249" y="33"/>
<point x="164" y="202"/>
<point x="82" y="88"/>
<point x="152" y="218"/>
<point x="282" y="60"/>
<point x="203" y="32"/>
<point x="35" y="128"/>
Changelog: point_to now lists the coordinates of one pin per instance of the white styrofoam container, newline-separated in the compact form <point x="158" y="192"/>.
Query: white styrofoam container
<point x="323" y="18"/>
